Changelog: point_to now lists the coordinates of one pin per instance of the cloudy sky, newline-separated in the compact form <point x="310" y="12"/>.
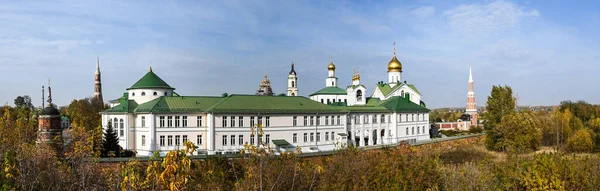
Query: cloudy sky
<point x="547" y="51"/>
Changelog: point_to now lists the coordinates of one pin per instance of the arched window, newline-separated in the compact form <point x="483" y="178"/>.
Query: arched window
<point x="407" y="131"/>
<point x="155" y="94"/>
<point x="143" y="93"/>
<point x="418" y="130"/>
<point x="413" y="131"/>
<point x="293" y="84"/>
<point x="402" y="93"/>
<point x="165" y="93"/>
<point x="121" y="127"/>
<point x="115" y="124"/>
<point x="332" y="84"/>
<point x="359" y="95"/>
<point x="293" y="94"/>
<point x="132" y="94"/>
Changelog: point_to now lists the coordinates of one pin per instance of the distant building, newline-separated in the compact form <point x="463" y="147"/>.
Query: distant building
<point x="65" y="122"/>
<point x="469" y="117"/>
<point x="264" y="89"/>
<point x="292" y="83"/>
<point x="98" y="82"/>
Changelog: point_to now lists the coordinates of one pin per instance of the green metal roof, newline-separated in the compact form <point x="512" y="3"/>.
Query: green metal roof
<point x="373" y="101"/>
<point x="280" y="142"/>
<point x="178" y="104"/>
<point x="386" y="89"/>
<point x="355" y="86"/>
<point x="150" y="81"/>
<point x="126" y="106"/>
<point x="401" y="104"/>
<point x="414" y="88"/>
<point x="330" y="91"/>
<point x="270" y="104"/>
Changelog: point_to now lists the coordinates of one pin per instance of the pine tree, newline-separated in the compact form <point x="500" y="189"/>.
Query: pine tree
<point x="110" y="142"/>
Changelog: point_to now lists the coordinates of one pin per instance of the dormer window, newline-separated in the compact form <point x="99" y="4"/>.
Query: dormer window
<point x="143" y="93"/>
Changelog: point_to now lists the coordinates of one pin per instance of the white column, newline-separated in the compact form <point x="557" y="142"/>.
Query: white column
<point x="370" y="135"/>
<point x="210" y="136"/>
<point x="152" y="135"/>
<point x="362" y="133"/>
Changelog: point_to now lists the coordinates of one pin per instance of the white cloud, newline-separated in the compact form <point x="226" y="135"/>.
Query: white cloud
<point x="496" y="16"/>
<point x="423" y="12"/>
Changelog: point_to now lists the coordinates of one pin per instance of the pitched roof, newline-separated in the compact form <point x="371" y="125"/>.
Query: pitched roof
<point x="330" y="91"/>
<point x="126" y="106"/>
<point x="178" y="104"/>
<point x="386" y="89"/>
<point x="401" y="104"/>
<point x="150" y="81"/>
<point x="270" y="104"/>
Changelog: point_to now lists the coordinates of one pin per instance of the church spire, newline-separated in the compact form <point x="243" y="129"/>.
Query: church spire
<point x="470" y="74"/>
<point x="98" y="81"/>
<point x="49" y="94"/>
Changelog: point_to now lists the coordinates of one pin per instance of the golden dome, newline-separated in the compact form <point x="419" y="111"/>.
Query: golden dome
<point x="356" y="77"/>
<point x="331" y="66"/>
<point x="394" y="65"/>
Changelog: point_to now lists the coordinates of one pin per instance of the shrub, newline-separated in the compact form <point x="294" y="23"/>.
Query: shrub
<point x="581" y="141"/>
<point x="475" y="129"/>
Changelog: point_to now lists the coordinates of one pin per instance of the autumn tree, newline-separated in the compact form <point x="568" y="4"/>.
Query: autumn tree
<point x="581" y="141"/>
<point x="499" y="104"/>
<point x="85" y="114"/>
<point x="517" y="132"/>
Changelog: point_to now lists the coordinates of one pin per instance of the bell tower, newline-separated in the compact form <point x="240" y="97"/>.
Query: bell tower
<point x="471" y="108"/>
<point x="292" y="89"/>
<point x="98" y="82"/>
<point x="49" y="127"/>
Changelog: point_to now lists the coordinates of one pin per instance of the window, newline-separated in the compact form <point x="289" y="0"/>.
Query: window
<point x="407" y="131"/>
<point x="294" y="121"/>
<point x="268" y="121"/>
<point x="109" y="123"/>
<point x="318" y="137"/>
<point x="345" y="100"/>
<point x="312" y="120"/>
<point x="199" y="121"/>
<point x="292" y="84"/>
<point x="224" y="140"/>
<point x="169" y="121"/>
<point x="305" y="137"/>
<point x="305" y="121"/>
<point x="268" y="137"/>
<point x="241" y="137"/>
<point x="366" y="119"/>
<point x="122" y="127"/>
<point x="143" y="121"/>
<point x="198" y="139"/>
<point x="116" y="124"/>
<point x="339" y="120"/>
<point x="332" y="136"/>
<point x="162" y="121"/>
<point x="252" y="121"/>
<point x="326" y="136"/>
<point x="413" y="131"/>
<point x="232" y="121"/>
<point x="389" y="118"/>
<point x="184" y="121"/>
<point x="374" y="119"/>
<point x="155" y="94"/>
<point x="295" y="138"/>
<point x="170" y="140"/>
<point x="359" y="96"/>
<point x="224" y="121"/>
<point x="162" y="140"/>
<point x="132" y="94"/>
<point x="143" y="93"/>
<point x="260" y="140"/>
<point x="177" y="121"/>
<point x="252" y="139"/>
<point x="382" y="118"/>
<point x="232" y="140"/>
<point x="260" y="121"/>
<point x="143" y="140"/>
<point x="312" y="137"/>
<point x="318" y="120"/>
<point x="322" y="101"/>
<point x="184" y="139"/>
<point x="332" y="120"/>
<point x="326" y="120"/>
<point x="177" y="140"/>
<point x="241" y="121"/>
<point x="357" y="119"/>
<point x="165" y="93"/>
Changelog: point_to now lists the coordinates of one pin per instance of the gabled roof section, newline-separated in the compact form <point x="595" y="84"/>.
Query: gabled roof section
<point x="355" y="86"/>
<point x="387" y="89"/>
<point x="373" y="101"/>
<point x="126" y="106"/>
<point x="414" y="88"/>
<point x="150" y="81"/>
<point x="270" y="105"/>
<point x="123" y="98"/>
<point x="178" y="104"/>
<point x="330" y="91"/>
<point x="401" y="104"/>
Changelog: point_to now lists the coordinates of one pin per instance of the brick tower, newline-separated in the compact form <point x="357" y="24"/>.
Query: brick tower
<point x="471" y="106"/>
<point x="49" y="127"/>
<point x="98" y="82"/>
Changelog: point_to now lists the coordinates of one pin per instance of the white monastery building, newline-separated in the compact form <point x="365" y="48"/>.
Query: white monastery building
<point x="150" y="116"/>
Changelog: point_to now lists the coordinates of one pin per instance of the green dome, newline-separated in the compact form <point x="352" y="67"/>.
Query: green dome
<point x="150" y="81"/>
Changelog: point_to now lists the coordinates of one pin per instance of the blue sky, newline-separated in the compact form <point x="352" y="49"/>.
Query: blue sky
<point x="547" y="51"/>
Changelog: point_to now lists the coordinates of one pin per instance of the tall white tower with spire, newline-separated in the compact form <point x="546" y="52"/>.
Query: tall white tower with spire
<point x="331" y="80"/>
<point x="98" y="82"/>
<point x="471" y="106"/>
<point x="292" y="89"/>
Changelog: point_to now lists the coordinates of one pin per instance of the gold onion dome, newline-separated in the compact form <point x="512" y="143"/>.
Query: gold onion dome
<point x="394" y="65"/>
<point x="331" y="66"/>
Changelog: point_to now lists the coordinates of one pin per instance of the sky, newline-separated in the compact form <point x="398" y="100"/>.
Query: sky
<point x="546" y="50"/>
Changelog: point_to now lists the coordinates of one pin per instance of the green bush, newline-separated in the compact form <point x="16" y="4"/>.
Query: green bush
<point x="475" y="129"/>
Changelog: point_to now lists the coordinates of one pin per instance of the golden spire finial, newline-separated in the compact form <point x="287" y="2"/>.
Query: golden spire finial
<point x="394" y="48"/>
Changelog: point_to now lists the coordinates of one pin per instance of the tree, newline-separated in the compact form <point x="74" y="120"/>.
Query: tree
<point x="19" y="101"/>
<point x="581" y="141"/>
<point x="110" y="142"/>
<point x="499" y="103"/>
<point x="518" y="132"/>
